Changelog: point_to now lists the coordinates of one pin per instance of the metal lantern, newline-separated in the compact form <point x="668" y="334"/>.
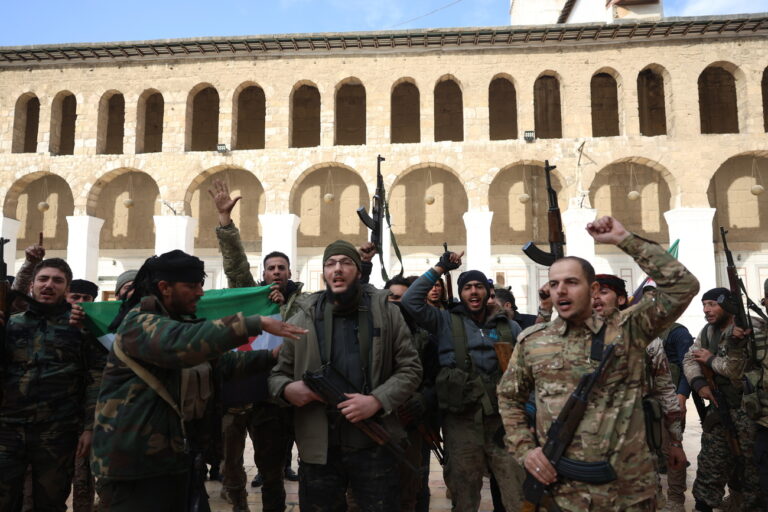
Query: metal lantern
<point x="43" y="206"/>
<point x="633" y="195"/>
<point x="329" y="197"/>
<point x="524" y="198"/>
<point x="429" y="199"/>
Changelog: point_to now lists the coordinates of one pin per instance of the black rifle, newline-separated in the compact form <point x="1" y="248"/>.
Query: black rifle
<point x="448" y="280"/>
<point x="556" y="235"/>
<point x="331" y="386"/>
<point x="560" y="435"/>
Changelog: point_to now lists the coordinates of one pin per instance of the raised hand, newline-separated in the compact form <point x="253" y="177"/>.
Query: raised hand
<point x="34" y="254"/>
<point x="607" y="230"/>
<point x="449" y="261"/>
<point x="280" y="328"/>
<point x="367" y="251"/>
<point x="223" y="201"/>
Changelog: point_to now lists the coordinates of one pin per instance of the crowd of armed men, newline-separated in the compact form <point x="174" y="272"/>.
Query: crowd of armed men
<point x="587" y="413"/>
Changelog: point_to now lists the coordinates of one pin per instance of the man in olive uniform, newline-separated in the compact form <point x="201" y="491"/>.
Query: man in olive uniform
<point x="721" y="347"/>
<point x="756" y="403"/>
<point x="50" y="378"/>
<point x="551" y="358"/>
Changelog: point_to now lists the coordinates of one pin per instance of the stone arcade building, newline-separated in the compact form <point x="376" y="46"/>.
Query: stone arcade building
<point x="120" y="141"/>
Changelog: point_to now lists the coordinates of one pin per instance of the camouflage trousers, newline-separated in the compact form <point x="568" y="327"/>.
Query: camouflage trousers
<point x="412" y="484"/>
<point x="49" y="449"/>
<point x="83" y="492"/>
<point x="269" y="428"/>
<point x="761" y="460"/>
<point x="676" y="478"/>
<point x="370" y="474"/>
<point x="167" y="493"/>
<point x="586" y="503"/>
<point x="717" y="466"/>
<point x="473" y="447"/>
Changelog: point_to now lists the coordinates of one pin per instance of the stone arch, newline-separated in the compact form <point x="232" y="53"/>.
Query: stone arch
<point x="417" y="223"/>
<point x="764" y="89"/>
<point x="502" y="107"/>
<point x="516" y="222"/>
<point x="63" y="119"/>
<point x="449" y="109"/>
<point x="127" y="225"/>
<point x="150" y="112"/>
<point x="323" y="222"/>
<point x="721" y="84"/>
<point x="604" y="93"/>
<point x="202" y="125"/>
<point x="405" y="112"/>
<point x="241" y="182"/>
<point x="305" y="115"/>
<point x="547" y="106"/>
<point x="350" y="113"/>
<point x="111" y="123"/>
<point x="608" y="194"/>
<point x="654" y="100"/>
<point x="249" y="109"/>
<point x="737" y="209"/>
<point x="26" y="120"/>
<point x="21" y="203"/>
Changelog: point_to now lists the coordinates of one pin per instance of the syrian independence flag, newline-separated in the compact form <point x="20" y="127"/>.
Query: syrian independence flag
<point x="214" y="304"/>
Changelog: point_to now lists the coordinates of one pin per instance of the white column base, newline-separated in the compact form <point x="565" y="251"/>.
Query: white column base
<point x="174" y="232"/>
<point x="9" y="228"/>
<point x="693" y="226"/>
<point x="478" y="257"/>
<point x="83" y="246"/>
<point x="577" y="240"/>
<point x="279" y="232"/>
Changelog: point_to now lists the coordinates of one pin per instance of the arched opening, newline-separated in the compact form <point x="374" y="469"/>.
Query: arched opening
<point x="417" y="223"/>
<point x="149" y="122"/>
<point x="26" y="121"/>
<point x="609" y="194"/>
<point x="350" y="114"/>
<point x="718" y="108"/>
<point x="203" y="117"/>
<point x="23" y="202"/>
<point x="502" y="109"/>
<point x="546" y="106"/>
<point x="764" y="87"/>
<point x="305" y="117"/>
<point x="651" y="103"/>
<point x="245" y="215"/>
<point x="127" y="200"/>
<point x="519" y="202"/>
<point x="111" y="124"/>
<point x="63" y="117"/>
<point x="449" y="111"/>
<point x="405" y="121"/>
<point x="249" y="115"/>
<point x="605" y="105"/>
<point x="325" y="200"/>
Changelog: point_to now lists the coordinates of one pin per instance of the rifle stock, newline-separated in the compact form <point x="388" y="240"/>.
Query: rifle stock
<point x="503" y="354"/>
<point x="555" y="227"/>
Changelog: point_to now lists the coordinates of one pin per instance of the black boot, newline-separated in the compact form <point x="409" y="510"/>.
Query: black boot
<point x="290" y="474"/>
<point x="702" y="507"/>
<point x="257" y="480"/>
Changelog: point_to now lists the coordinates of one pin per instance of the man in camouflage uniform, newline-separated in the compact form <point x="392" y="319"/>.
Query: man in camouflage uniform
<point x="50" y="379"/>
<point x="247" y="408"/>
<point x="140" y="442"/>
<point x="470" y="418"/>
<point x="355" y="329"/>
<point x="756" y="403"/>
<point x="551" y="358"/>
<point x="721" y="347"/>
<point x="611" y="298"/>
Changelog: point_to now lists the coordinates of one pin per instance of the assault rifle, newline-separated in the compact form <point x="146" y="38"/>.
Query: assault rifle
<point x="331" y="386"/>
<point x="448" y="280"/>
<point x="560" y="435"/>
<point x="556" y="235"/>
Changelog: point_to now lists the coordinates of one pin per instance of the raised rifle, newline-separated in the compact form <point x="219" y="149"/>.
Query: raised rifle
<point x="560" y="435"/>
<point x="332" y="387"/>
<point x="448" y="279"/>
<point x="556" y="234"/>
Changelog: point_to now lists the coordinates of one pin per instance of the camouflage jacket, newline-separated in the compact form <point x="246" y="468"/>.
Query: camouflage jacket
<point x="663" y="389"/>
<point x="395" y="370"/>
<point x="136" y="433"/>
<point x="52" y="370"/>
<point x="551" y="357"/>
<point x="755" y="403"/>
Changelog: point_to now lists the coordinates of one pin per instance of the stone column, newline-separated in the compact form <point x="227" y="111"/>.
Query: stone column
<point x="9" y="228"/>
<point x="279" y="232"/>
<point x="478" y="255"/>
<point x="83" y="246"/>
<point x="174" y="232"/>
<point x="386" y="252"/>
<point x="578" y="242"/>
<point x="693" y="226"/>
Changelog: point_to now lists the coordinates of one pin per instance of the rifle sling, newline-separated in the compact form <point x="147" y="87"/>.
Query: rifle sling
<point x="363" y="339"/>
<point x="598" y="345"/>
<point x="596" y="473"/>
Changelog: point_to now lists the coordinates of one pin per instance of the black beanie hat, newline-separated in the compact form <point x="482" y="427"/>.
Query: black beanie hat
<point x="84" y="287"/>
<point x="612" y="282"/>
<point x="472" y="275"/>
<point x="715" y="293"/>
<point x="344" y="248"/>
<point x="173" y="266"/>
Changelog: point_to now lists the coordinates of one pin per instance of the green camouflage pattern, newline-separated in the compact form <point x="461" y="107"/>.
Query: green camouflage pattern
<point x="756" y="404"/>
<point x="550" y="359"/>
<point x="663" y="389"/>
<point x="137" y="434"/>
<point x="729" y="362"/>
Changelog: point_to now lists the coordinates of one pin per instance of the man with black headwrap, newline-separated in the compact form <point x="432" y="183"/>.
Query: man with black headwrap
<point x="466" y="383"/>
<point x="141" y="434"/>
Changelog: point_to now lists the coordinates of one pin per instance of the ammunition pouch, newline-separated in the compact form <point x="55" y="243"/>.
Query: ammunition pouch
<point x="711" y="420"/>
<point x="457" y="390"/>
<point x="196" y="390"/>
<point x="653" y="422"/>
<point x="596" y="473"/>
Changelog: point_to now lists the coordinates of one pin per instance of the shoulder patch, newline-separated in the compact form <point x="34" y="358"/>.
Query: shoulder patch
<point x="532" y="330"/>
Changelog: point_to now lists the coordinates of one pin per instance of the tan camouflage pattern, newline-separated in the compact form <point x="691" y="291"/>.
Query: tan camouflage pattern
<point x="663" y="389"/>
<point x="757" y="406"/>
<point x="730" y="359"/>
<point x="236" y="266"/>
<point x="550" y="358"/>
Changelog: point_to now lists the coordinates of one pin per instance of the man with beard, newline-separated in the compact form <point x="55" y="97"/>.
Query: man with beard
<point x="721" y="346"/>
<point x="466" y="383"/>
<point x="356" y="330"/>
<point x="551" y="359"/>
<point x="50" y="379"/>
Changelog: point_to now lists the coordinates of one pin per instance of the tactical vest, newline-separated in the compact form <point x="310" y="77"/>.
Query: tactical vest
<point x="726" y="386"/>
